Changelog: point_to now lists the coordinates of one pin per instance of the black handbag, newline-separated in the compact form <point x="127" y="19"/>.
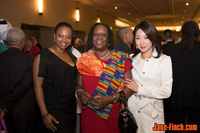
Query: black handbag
<point x="126" y="120"/>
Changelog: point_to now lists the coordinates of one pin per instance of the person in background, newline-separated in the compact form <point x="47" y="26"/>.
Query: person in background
<point x="30" y="48"/>
<point x="168" y="39"/>
<point x="152" y="78"/>
<point x="17" y="101"/>
<point x="55" y="76"/>
<point x="77" y="54"/>
<point x="35" y="42"/>
<point x="183" y="106"/>
<point x="4" y="27"/>
<point x="126" y="37"/>
<point x="79" y="45"/>
<point x="100" y="68"/>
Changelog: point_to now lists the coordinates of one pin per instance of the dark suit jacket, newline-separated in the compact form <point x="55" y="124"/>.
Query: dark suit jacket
<point x="38" y="45"/>
<point x="166" y="46"/>
<point x="122" y="46"/>
<point x="16" y="83"/>
<point x="186" y="78"/>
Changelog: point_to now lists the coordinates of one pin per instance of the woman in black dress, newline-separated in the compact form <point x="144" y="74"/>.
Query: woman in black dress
<point x="55" y="74"/>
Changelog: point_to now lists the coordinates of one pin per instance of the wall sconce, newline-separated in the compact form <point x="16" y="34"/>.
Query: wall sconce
<point x="77" y="15"/>
<point x="40" y="2"/>
<point x="98" y="19"/>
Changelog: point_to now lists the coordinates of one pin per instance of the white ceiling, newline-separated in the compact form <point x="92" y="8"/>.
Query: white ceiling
<point x="159" y="12"/>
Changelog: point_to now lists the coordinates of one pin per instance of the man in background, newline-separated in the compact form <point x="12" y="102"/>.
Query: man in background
<point x="17" y="102"/>
<point x="168" y="39"/>
<point x="35" y="42"/>
<point x="126" y="37"/>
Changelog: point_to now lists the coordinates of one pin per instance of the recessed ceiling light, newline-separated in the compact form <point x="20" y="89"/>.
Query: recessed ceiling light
<point x="129" y="13"/>
<point x="185" y="11"/>
<point x="187" y="4"/>
<point x="183" y="17"/>
<point x="181" y="21"/>
<point x="116" y="7"/>
<point x="138" y="19"/>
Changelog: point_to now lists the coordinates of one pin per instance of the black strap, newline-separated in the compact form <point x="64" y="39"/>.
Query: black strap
<point x="122" y="99"/>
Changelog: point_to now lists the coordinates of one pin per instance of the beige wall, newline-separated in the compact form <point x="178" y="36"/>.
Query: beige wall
<point x="55" y="11"/>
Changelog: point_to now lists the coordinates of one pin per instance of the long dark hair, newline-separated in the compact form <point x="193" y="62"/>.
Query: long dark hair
<point x="110" y="36"/>
<point x="190" y="30"/>
<point x="149" y="29"/>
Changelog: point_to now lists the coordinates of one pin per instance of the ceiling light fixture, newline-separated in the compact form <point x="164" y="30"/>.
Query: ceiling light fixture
<point x="77" y="15"/>
<point x="40" y="5"/>
<point x="116" y="8"/>
<point x="98" y="19"/>
<point x="119" y="23"/>
<point x="187" y="4"/>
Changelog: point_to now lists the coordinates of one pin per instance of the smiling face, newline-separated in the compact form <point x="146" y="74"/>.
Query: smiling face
<point x="63" y="37"/>
<point x="143" y="43"/>
<point x="100" y="37"/>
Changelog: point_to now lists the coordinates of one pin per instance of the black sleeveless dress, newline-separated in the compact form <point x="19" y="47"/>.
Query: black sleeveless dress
<point x="59" y="87"/>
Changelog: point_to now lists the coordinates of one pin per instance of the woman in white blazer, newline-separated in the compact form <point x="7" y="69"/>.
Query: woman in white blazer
<point x="152" y="78"/>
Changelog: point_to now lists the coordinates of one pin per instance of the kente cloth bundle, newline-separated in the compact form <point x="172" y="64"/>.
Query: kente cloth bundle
<point x="111" y="75"/>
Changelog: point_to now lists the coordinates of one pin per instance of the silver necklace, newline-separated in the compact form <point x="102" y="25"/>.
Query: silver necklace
<point x="105" y="55"/>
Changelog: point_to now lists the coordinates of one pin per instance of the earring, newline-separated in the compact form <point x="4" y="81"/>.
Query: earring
<point x="54" y="40"/>
<point x="136" y="47"/>
<point x="108" y="44"/>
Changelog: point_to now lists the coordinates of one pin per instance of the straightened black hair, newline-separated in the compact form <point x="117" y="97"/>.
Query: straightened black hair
<point x="149" y="29"/>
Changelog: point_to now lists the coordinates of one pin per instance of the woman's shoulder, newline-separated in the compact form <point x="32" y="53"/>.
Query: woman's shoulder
<point x="165" y="59"/>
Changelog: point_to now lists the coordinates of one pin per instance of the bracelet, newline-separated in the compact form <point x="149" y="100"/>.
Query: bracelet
<point x="45" y="115"/>
<point x="115" y="100"/>
<point x="77" y="92"/>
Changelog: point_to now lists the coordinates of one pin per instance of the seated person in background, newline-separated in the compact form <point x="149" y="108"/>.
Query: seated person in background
<point x="30" y="48"/>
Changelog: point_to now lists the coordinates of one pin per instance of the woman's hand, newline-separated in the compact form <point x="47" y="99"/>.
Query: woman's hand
<point x="48" y="122"/>
<point x="99" y="101"/>
<point x="84" y="98"/>
<point x="131" y="84"/>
